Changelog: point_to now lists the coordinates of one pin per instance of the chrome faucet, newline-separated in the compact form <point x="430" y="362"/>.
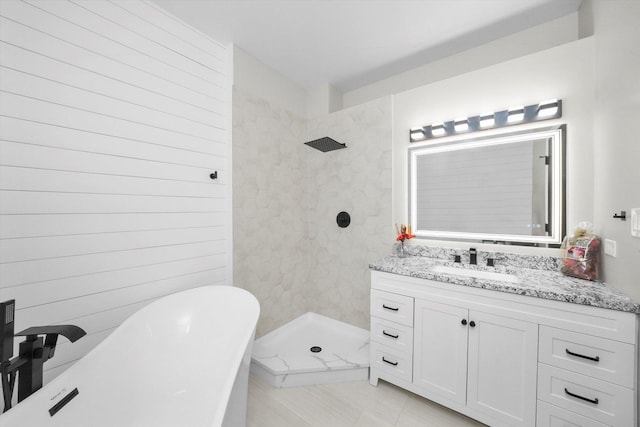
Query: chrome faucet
<point x="473" y="256"/>
<point x="33" y="352"/>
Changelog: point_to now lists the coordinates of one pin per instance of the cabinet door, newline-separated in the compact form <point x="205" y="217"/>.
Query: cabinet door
<point x="503" y="368"/>
<point x="440" y="350"/>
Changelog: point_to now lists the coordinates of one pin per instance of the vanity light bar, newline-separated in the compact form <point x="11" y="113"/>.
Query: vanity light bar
<point x="545" y="110"/>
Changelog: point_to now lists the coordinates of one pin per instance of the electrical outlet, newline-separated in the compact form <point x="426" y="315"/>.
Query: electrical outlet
<point x="610" y="247"/>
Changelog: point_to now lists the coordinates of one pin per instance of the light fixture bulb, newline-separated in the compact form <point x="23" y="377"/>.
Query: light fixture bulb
<point x="437" y="129"/>
<point x="548" y="108"/>
<point x="417" y="134"/>
<point x="461" y="125"/>
<point x="487" y="120"/>
<point x="516" y="114"/>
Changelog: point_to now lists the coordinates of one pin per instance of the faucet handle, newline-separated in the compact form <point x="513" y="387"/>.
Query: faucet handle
<point x="473" y="256"/>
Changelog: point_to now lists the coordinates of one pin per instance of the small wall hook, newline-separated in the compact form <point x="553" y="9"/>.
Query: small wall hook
<point x="622" y="216"/>
<point x="214" y="175"/>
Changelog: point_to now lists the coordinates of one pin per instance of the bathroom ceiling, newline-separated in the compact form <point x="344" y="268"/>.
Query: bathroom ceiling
<point x="351" y="43"/>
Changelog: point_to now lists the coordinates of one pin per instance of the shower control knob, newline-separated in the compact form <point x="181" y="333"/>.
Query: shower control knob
<point x="464" y="322"/>
<point x="343" y="219"/>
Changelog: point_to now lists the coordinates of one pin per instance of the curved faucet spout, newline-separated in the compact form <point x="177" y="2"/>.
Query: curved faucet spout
<point x="72" y="332"/>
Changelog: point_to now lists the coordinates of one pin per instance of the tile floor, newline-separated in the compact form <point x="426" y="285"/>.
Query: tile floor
<point x="353" y="404"/>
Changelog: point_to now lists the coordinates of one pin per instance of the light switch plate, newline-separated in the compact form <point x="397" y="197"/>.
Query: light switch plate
<point x="610" y="247"/>
<point x="635" y="222"/>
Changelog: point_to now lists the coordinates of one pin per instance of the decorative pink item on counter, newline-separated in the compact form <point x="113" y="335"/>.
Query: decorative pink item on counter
<point x="582" y="259"/>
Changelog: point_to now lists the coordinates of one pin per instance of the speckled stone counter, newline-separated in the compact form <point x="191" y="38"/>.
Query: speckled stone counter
<point x="545" y="281"/>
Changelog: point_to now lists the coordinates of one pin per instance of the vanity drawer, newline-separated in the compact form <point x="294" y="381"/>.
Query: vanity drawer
<point x="388" y="360"/>
<point x="600" y="358"/>
<point x="604" y="402"/>
<point x="392" y="334"/>
<point x="552" y="416"/>
<point x="394" y="307"/>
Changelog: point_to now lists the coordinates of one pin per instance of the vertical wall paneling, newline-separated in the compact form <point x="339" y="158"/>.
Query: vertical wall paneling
<point x="113" y="114"/>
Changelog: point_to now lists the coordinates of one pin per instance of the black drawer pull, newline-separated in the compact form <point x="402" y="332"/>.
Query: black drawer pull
<point x="390" y="363"/>
<point x="577" y="396"/>
<point x="390" y="308"/>
<point x="571" y="353"/>
<point x="390" y="335"/>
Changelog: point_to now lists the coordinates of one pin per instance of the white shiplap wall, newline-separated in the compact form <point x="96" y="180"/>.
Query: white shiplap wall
<point x="113" y="114"/>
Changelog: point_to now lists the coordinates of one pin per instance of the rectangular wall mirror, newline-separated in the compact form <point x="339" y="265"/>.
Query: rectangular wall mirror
<point x="506" y="188"/>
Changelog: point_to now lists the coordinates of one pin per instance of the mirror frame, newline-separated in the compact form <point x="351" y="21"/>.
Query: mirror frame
<point x="556" y="211"/>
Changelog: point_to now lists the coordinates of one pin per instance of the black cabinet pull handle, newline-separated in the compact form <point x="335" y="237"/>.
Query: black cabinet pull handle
<point x="390" y="308"/>
<point x="577" y="396"/>
<point x="390" y="335"/>
<point x="464" y="322"/>
<point x="571" y="353"/>
<point x="472" y="324"/>
<point x="214" y="175"/>
<point x="390" y="363"/>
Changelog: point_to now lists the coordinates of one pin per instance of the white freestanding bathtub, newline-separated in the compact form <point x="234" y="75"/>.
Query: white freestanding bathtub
<point x="180" y="361"/>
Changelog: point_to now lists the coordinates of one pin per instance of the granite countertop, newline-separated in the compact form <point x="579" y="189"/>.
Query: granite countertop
<point x="538" y="283"/>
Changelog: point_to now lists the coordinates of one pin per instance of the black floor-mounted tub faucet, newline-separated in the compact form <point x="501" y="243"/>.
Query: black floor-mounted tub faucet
<point x="32" y="353"/>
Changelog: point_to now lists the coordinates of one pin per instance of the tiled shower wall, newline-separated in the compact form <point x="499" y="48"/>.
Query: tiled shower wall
<point x="288" y="248"/>
<point x="269" y="208"/>
<point x="356" y="180"/>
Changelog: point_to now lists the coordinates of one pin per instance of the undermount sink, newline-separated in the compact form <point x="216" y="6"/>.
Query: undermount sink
<point x="478" y="274"/>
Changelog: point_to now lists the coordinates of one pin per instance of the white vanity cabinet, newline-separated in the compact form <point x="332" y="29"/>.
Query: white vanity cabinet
<point x="505" y="359"/>
<point x="477" y="359"/>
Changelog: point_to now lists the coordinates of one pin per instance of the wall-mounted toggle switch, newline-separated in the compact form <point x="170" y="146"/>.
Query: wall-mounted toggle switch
<point x="610" y="247"/>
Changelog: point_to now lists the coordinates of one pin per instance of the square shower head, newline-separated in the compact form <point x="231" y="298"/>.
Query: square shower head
<point x="325" y="144"/>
